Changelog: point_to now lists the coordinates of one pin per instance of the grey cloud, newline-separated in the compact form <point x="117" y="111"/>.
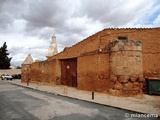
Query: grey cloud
<point x="44" y="18"/>
<point x="9" y="10"/>
<point x="16" y="49"/>
<point x="112" y="12"/>
<point x="67" y="40"/>
<point x="46" y="33"/>
<point x="45" y="14"/>
<point x="39" y="54"/>
<point x="70" y="20"/>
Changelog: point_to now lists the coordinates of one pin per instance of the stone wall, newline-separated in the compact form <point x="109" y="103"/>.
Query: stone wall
<point x="126" y="69"/>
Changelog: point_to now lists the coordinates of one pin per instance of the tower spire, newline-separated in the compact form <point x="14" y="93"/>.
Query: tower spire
<point x="52" y="50"/>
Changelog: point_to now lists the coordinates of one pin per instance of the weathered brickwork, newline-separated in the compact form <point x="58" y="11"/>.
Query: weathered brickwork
<point x="93" y="73"/>
<point x="150" y="45"/>
<point x="45" y="72"/>
<point x="26" y="72"/>
<point x="117" y="71"/>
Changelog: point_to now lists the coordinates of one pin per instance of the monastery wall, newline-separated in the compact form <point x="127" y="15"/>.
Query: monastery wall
<point x="87" y="45"/>
<point x="148" y="37"/>
<point x="45" y="72"/>
<point x="25" y="73"/>
<point x="93" y="72"/>
<point x="150" y="45"/>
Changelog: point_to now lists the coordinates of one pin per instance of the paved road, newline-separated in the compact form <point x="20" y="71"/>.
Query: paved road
<point x="19" y="103"/>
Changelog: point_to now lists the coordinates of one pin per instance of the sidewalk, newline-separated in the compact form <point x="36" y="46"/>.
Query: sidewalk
<point x="146" y="104"/>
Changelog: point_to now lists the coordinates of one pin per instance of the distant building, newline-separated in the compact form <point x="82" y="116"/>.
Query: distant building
<point x="12" y="67"/>
<point x="26" y="68"/>
<point x="29" y="60"/>
<point x="52" y="50"/>
<point x="115" y="61"/>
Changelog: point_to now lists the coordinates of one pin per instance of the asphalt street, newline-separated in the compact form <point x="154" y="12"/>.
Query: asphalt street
<point x="19" y="103"/>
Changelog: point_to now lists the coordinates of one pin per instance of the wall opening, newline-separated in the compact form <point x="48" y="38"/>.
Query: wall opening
<point x="69" y="72"/>
<point x="122" y="38"/>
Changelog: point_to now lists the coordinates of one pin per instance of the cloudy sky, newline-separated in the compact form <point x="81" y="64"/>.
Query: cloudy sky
<point x="30" y="24"/>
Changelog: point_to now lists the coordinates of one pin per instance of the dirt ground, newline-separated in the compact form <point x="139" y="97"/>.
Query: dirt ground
<point x="10" y="71"/>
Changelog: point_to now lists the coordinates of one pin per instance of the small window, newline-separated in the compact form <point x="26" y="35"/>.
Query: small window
<point x="122" y="38"/>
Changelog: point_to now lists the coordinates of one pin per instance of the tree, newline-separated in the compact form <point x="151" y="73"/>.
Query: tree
<point x="4" y="59"/>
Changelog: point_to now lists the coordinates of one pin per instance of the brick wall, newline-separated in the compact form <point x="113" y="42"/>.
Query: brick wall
<point x="46" y="72"/>
<point x="150" y="46"/>
<point x="93" y="72"/>
<point x="25" y="73"/>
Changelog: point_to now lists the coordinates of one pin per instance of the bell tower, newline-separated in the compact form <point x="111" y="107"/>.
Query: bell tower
<point x="52" y="50"/>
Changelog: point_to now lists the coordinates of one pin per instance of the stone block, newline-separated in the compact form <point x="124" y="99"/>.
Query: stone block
<point x="111" y="85"/>
<point x="133" y="78"/>
<point x="118" y="86"/>
<point x="136" y="92"/>
<point x="127" y="93"/>
<point x="115" y="92"/>
<point x="127" y="86"/>
<point x="141" y="85"/>
<point x="123" y="78"/>
<point x="113" y="78"/>
<point x="141" y="78"/>
<point x="136" y="86"/>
